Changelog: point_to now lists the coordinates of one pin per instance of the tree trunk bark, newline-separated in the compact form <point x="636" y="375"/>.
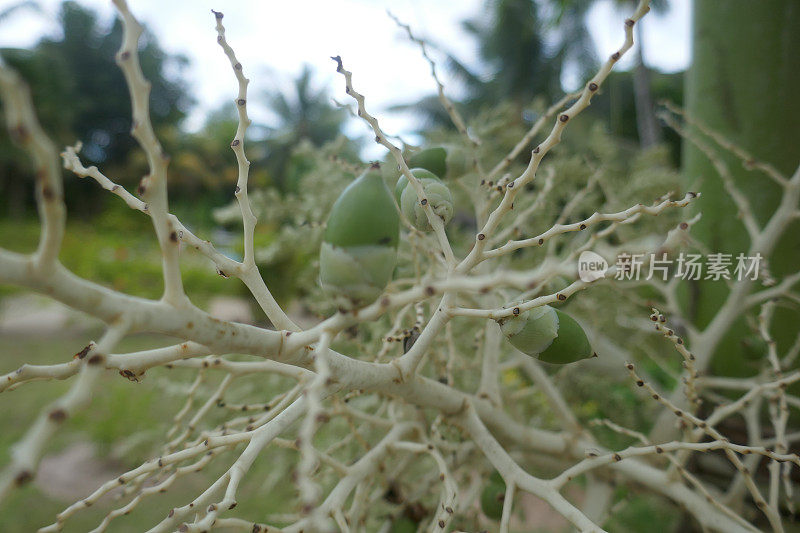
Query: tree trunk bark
<point x="646" y="123"/>
<point x="743" y="83"/>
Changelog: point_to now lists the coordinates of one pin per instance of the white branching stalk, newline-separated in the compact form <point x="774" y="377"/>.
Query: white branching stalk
<point x="743" y="295"/>
<point x="24" y="129"/>
<point x="28" y="451"/>
<point x="248" y="271"/>
<point x="452" y="112"/>
<point x="513" y="187"/>
<point x="153" y="187"/>
<point x="372" y="435"/>
<point x="381" y="138"/>
<point x="559" y="229"/>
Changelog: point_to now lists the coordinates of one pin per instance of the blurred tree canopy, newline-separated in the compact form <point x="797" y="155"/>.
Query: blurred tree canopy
<point x="304" y="117"/>
<point x="304" y="113"/>
<point x="525" y="48"/>
<point x="80" y="94"/>
<point x="511" y="46"/>
<point x="515" y="62"/>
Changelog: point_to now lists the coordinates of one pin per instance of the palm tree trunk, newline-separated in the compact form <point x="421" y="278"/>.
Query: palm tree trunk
<point x="743" y="83"/>
<point x="646" y="123"/>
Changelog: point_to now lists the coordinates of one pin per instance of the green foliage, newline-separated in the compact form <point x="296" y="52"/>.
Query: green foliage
<point x="511" y="44"/>
<point x="304" y="114"/>
<point x="131" y="264"/>
<point x="522" y="53"/>
<point x="127" y="422"/>
<point x="638" y="513"/>
<point x="80" y="94"/>
<point x="404" y="524"/>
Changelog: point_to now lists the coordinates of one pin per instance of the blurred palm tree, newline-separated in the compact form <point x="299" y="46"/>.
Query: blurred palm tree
<point x="511" y="45"/>
<point x="646" y="122"/>
<point x="647" y="126"/>
<point x="524" y="47"/>
<point x="305" y="113"/>
<point x="572" y="43"/>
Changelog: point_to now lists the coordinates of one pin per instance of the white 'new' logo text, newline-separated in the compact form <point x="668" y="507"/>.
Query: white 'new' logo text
<point x="591" y="266"/>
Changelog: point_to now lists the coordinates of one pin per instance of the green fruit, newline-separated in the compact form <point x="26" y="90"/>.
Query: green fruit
<point x="431" y="159"/>
<point x="436" y="192"/>
<point x="492" y="497"/>
<point x="359" y="248"/>
<point x="404" y="525"/>
<point x="449" y="161"/>
<point x="548" y="334"/>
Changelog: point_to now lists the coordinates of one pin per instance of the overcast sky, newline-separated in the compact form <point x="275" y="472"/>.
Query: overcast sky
<point x="274" y="38"/>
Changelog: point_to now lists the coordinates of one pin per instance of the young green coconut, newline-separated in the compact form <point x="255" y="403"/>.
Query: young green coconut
<point x="437" y="195"/>
<point x="448" y="161"/>
<point x="431" y="159"/>
<point x="548" y="334"/>
<point x="359" y="247"/>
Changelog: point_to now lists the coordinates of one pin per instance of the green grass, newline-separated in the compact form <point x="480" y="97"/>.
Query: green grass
<point x="116" y="412"/>
<point x="126" y="421"/>
<point x="134" y="417"/>
<point x="121" y="255"/>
